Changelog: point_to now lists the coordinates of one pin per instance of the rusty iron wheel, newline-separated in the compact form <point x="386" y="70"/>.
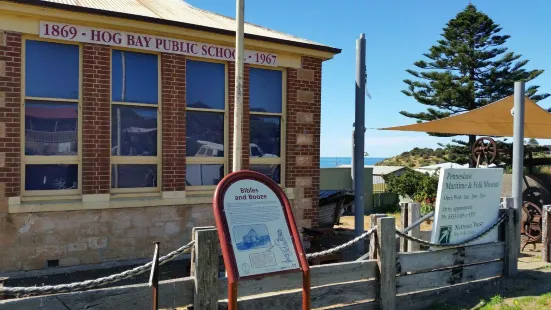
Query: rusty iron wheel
<point x="484" y="149"/>
<point x="531" y="226"/>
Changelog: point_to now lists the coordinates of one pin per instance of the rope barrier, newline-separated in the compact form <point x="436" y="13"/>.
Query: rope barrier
<point x="128" y="274"/>
<point x="89" y="284"/>
<point x="342" y="246"/>
<point x="447" y="245"/>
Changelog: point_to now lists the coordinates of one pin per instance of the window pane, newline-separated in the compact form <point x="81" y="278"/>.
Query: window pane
<point x="51" y="70"/>
<point x="204" y="134"/>
<point x="197" y="175"/>
<point x="133" y="176"/>
<point x="51" y="128"/>
<point x="266" y="90"/>
<point x="51" y="177"/>
<point x="205" y="85"/>
<point x="272" y="171"/>
<point x="133" y="131"/>
<point x="135" y="77"/>
<point x="265" y="136"/>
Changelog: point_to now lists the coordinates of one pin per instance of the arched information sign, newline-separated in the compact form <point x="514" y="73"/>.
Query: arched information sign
<point x="257" y="232"/>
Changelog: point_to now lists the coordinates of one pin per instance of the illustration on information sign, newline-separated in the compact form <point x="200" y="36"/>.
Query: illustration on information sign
<point x="259" y="233"/>
<point x="467" y="203"/>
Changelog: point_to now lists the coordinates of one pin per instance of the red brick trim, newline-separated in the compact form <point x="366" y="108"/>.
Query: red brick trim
<point x="173" y="68"/>
<point x="304" y="119"/>
<point x="10" y="111"/>
<point x="96" y="119"/>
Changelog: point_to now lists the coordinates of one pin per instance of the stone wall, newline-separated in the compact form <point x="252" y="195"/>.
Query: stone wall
<point x="29" y="240"/>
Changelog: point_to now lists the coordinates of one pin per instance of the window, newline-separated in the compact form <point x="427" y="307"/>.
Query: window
<point x="267" y="112"/>
<point x="135" y="110"/>
<point x="206" y="132"/>
<point x="51" y="108"/>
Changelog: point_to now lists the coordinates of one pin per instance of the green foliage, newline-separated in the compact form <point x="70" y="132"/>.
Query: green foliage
<point x="468" y="68"/>
<point x="418" y="186"/>
<point x="533" y="142"/>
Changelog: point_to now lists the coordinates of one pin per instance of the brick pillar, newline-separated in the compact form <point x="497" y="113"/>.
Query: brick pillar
<point x="96" y="119"/>
<point x="10" y="111"/>
<point x="245" y="135"/>
<point x="174" y="121"/>
<point x="303" y="138"/>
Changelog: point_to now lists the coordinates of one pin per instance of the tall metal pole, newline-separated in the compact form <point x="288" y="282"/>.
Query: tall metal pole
<point x="518" y="151"/>
<point x="352" y="170"/>
<point x="359" y="134"/>
<point x="238" y="95"/>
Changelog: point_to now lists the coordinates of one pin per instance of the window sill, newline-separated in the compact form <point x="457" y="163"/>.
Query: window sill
<point x="106" y="201"/>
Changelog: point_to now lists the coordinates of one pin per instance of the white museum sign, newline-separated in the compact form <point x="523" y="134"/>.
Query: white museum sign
<point x="467" y="202"/>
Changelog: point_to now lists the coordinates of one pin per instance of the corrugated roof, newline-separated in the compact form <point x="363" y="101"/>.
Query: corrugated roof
<point x="384" y="170"/>
<point x="178" y="11"/>
<point x="377" y="179"/>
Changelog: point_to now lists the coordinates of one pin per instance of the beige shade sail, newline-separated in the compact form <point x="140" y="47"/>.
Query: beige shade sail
<point x="494" y="119"/>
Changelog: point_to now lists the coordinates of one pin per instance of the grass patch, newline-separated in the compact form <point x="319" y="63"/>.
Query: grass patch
<point x="497" y="302"/>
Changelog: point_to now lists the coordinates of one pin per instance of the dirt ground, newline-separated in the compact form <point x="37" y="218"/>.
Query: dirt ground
<point x="347" y="222"/>
<point x="533" y="279"/>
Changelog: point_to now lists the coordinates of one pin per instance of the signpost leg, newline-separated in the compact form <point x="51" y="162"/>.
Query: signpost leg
<point x="306" y="301"/>
<point x="232" y="295"/>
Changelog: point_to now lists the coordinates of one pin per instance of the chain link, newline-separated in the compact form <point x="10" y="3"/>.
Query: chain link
<point x="342" y="246"/>
<point x="89" y="284"/>
<point x="448" y="245"/>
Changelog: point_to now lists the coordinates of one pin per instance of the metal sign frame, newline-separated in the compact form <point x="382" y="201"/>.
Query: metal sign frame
<point x="225" y="239"/>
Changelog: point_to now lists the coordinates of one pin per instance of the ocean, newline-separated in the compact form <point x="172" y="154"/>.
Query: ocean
<point x="331" y="162"/>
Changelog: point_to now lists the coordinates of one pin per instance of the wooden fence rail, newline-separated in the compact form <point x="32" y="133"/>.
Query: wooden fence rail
<point x="390" y="280"/>
<point x="546" y="234"/>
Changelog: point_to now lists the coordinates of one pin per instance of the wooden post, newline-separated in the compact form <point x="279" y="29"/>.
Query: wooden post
<point x="2" y="280"/>
<point x="546" y="234"/>
<point x="373" y="244"/>
<point x="509" y="202"/>
<point x="387" y="262"/>
<point x="511" y="253"/>
<point x="414" y="214"/>
<point x="205" y="268"/>
<point x="404" y="221"/>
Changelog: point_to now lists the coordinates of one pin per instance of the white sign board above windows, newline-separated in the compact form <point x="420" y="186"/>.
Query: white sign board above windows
<point x="467" y="203"/>
<point x="94" y="35"/>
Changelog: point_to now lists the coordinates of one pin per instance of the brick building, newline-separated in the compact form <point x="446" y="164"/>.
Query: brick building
<point x="117" y="125"/>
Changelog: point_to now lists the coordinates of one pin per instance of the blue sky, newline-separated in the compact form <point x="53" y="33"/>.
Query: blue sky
<point x="398" y="32"/>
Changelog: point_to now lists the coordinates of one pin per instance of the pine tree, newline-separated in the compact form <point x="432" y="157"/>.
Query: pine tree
<point x="533" y="142"/>
<point x="468" y="68"/>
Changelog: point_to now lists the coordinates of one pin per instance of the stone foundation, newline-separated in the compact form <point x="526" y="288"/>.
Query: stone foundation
<point x="29" y="240"/>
